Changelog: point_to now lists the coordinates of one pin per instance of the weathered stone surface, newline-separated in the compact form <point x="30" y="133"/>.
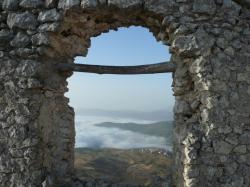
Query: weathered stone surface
<point x="209" y="42"/>
<point x="40" y="39"/>
<point x="1" y="54"/>
<point x="1" y="4"/>
<point x="49" y="16"/>
<point x="185" y="45"/>
<point x="31" y="3"/>
<point x="67" y="4"/>
<point x="197" y="65"/>
<point x="51" y="3"/>
<point x="232" y="140"/>
<point x="222" y="147"/>
<point x="24" y="20"/>
<point x="225" y="129"/>
<point x="10" y="4"/>
<point x="51" y="27"/>
<point x="204" y="6"/>
<point x="182" y="107"/>
<point x="23" y="52"/>
<point x="89" y="3"/>
<point x="5" y="36"/>
<point x="160" y="6"/>
<point x="240" y="149"/>
<point x="125" y="3"/>
<point x="244" y="138"/>
<point x="27" y="68"/>
<point x="20" y="40"/>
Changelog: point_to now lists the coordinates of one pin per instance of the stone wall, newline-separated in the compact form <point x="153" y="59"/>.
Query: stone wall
<point x="209" y="41"/>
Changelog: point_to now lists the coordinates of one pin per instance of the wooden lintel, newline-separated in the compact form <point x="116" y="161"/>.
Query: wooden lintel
<point x="164" y="67"/>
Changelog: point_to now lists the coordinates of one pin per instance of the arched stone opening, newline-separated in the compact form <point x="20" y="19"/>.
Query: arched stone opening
<point x="73" y="38"/>
<point x="209" y="41"/>
<point x="78" y="27"/>
<point x="111" y="99"/>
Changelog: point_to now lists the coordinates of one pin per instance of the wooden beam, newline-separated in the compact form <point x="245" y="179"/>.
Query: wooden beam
<point x="164" y="67"/>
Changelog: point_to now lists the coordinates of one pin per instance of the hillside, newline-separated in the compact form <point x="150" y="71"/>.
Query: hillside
<point x="133" y="166"/>
<point x="161" y="129"/>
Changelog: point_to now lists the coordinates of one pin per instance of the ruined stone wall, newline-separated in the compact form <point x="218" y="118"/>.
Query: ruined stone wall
<point x="209" y="42"/>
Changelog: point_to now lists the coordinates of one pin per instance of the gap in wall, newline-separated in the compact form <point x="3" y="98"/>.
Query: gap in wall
<point x="123" y="122"/>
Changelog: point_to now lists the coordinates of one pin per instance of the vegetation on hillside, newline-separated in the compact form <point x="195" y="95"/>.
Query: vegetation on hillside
<point x="161" y="129"/>
<point x="133" y="166"/>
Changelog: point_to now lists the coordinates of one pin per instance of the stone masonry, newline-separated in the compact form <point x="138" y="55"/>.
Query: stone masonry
<point x="210" y="44"/>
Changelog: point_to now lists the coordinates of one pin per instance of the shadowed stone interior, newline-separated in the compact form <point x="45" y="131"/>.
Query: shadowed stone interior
<point x="209" y="42"/>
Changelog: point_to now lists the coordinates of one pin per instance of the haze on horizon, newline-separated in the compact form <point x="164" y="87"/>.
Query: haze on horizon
<point x="127" y="46"/>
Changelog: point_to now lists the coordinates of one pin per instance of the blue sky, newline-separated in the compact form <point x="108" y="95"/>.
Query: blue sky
<point x="127" y="46"/>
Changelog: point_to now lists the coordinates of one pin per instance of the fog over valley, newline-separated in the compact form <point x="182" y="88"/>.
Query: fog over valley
<point x="88" y="134"/>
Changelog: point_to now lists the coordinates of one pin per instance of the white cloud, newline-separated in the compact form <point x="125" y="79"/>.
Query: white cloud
<point x="89" y="135"/>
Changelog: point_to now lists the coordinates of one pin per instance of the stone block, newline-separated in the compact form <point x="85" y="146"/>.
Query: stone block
<point x="21" y="40"/>
<point x="89" y="3"/>
<point x="68" y="4"/>
<point x="125" y="3"/>
<point x="31" y="4"/>
<point x="49" y="16"/>
<point x="204" y="6"/>
<point x="40" y="39"/>
<point x="24" y="20"/>
<point x="222" y="147"/>
<point x="10" y="4"/>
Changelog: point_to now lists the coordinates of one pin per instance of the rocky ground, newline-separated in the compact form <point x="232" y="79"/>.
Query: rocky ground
<point x="122" y="168"/>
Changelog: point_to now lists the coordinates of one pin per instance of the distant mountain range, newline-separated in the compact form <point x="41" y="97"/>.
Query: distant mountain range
<point x="158" y="115"/>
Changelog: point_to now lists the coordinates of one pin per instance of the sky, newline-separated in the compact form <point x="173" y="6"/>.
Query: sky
<point x="127" y="46"/>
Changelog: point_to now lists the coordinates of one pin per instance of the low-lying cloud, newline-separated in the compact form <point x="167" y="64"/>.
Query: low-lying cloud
<point x="89" y="135"/>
